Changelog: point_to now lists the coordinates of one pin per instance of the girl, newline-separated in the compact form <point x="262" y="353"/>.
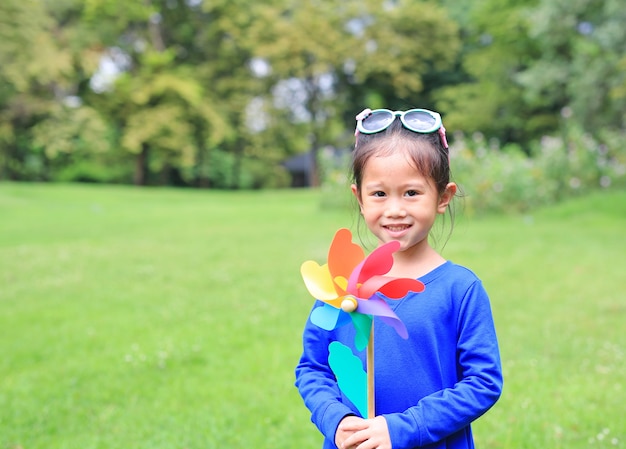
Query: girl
<point x="431" y="387"/>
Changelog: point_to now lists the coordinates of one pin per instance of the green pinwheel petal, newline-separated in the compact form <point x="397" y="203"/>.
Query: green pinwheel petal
<point x="363" y="325"/>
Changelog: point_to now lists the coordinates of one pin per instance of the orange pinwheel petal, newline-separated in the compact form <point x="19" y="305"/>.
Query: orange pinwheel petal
<point x="344" y="255"/>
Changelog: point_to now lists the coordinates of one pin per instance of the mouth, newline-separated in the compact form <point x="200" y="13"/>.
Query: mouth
<point x="399" y="228"/>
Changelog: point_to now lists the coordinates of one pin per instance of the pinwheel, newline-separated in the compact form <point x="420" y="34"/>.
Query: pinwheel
<point x="350" y="285"/>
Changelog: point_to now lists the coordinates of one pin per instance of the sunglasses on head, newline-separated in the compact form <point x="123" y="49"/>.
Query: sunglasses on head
<point x="420" y="121"/>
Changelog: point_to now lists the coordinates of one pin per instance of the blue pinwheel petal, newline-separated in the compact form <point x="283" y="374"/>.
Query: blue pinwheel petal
<point x="325" y="317"/>
<point x="328" y="317"/>
<point x="344" y="318"/>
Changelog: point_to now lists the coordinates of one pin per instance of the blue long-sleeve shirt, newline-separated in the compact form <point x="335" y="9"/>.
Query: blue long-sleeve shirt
<point x="430" y="387"/>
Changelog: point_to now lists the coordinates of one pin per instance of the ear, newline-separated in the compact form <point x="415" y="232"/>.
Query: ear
<point x="446" y="197"/>
<point x="357" y="195"/>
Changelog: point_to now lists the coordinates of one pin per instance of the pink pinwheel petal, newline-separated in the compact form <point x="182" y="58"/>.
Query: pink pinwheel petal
<point x="343" y="255"/>
<point x="353" y="281"/>
<point x="373" y="285"/>
<point x="378" y="307"/>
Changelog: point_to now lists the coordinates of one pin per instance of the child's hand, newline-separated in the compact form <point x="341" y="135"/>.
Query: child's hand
<point x="365" y="433"/>
<point x="346" y="428"/>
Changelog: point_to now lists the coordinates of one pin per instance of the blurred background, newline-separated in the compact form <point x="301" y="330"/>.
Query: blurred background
<point x="171" y="316"/>
<point x="243" y="94"/>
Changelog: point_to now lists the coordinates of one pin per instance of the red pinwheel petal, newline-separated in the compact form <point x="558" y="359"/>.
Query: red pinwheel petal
<point x="379" y="261"/>
<point x="400" y="287"/>
<point x="394" y="288"/>
<point x="343" y="255"/>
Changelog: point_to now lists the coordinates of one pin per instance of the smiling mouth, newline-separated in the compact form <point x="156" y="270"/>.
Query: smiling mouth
<point x="397" y="228"/>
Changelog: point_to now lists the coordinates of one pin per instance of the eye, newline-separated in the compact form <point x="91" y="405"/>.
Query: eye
<point x="378" y="194"/>
<point x="411" y="193"/>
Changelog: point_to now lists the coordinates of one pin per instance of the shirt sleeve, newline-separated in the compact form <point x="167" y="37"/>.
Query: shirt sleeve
<point x="479" y="384"/>
<point x="317" y="384"/>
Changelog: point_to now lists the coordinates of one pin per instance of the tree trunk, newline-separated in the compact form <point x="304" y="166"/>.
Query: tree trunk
<point x="313" y="105"/>
<point x="141" y="166"/>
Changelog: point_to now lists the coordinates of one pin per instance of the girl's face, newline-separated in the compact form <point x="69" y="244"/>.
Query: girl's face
<point x="398" y="202"/>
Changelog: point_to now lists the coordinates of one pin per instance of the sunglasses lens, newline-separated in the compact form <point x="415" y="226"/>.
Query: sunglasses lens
<point x="420" y="121"/>
<point x="377" y="121"/>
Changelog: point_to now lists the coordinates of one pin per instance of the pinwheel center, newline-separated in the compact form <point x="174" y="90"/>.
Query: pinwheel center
<point x="349" y="304"/>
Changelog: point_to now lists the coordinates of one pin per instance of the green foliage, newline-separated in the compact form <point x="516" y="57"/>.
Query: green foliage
<point x="494" y="178"/>
<point x="33" y="66"/>
<point x="159" y="85"/>
<point x="161" y="318"/>
<point x="221" y="169"/>
<point x="257" y="174"/>
<point x="582" y="45"/>
<point x="124" y="13"/>
<point x="94" y="171"/>
<point x="72" y="130"/>
<point x="491" y="100"/>
<point x="225" y="171"/>
<point x="335" y="174"/>
<point x="388" y="47"/>
<point x="31" y="58"/>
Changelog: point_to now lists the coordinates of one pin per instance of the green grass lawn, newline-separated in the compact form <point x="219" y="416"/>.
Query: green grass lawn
<point x="161" y="318"/>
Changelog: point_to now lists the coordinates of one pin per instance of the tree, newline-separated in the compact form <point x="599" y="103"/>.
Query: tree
<point x="580" y="71"/>
<point x="323" y="67"/>
<point x="491" y="99"/>
<point x="530" y="64"/>
<point x="35" y="74"/>
<point x="164" y="115"/>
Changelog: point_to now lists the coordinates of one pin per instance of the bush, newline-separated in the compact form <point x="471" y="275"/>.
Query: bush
<point x="495" y="179"/>
<point x="94" y="172"/>
<point x="224" y="171"/>
<point x="334" y="175"/>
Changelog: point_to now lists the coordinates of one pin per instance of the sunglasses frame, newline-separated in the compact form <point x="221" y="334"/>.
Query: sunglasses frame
<point x="402" y="115"/>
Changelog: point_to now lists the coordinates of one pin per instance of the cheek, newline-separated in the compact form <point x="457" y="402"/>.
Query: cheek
<point x="370" y="210"/>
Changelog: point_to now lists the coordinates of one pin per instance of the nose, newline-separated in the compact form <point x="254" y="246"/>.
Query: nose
<point x="395" y="209"/>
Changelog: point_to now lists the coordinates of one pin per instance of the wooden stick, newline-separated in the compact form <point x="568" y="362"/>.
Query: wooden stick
<point x="371" y="402"/>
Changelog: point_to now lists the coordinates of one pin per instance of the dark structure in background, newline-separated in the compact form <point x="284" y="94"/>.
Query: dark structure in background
<point x="300" y="167"/>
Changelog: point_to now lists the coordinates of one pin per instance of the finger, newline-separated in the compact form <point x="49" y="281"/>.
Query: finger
<point x="355" y="439"/>
<point x="352" y="425"/>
